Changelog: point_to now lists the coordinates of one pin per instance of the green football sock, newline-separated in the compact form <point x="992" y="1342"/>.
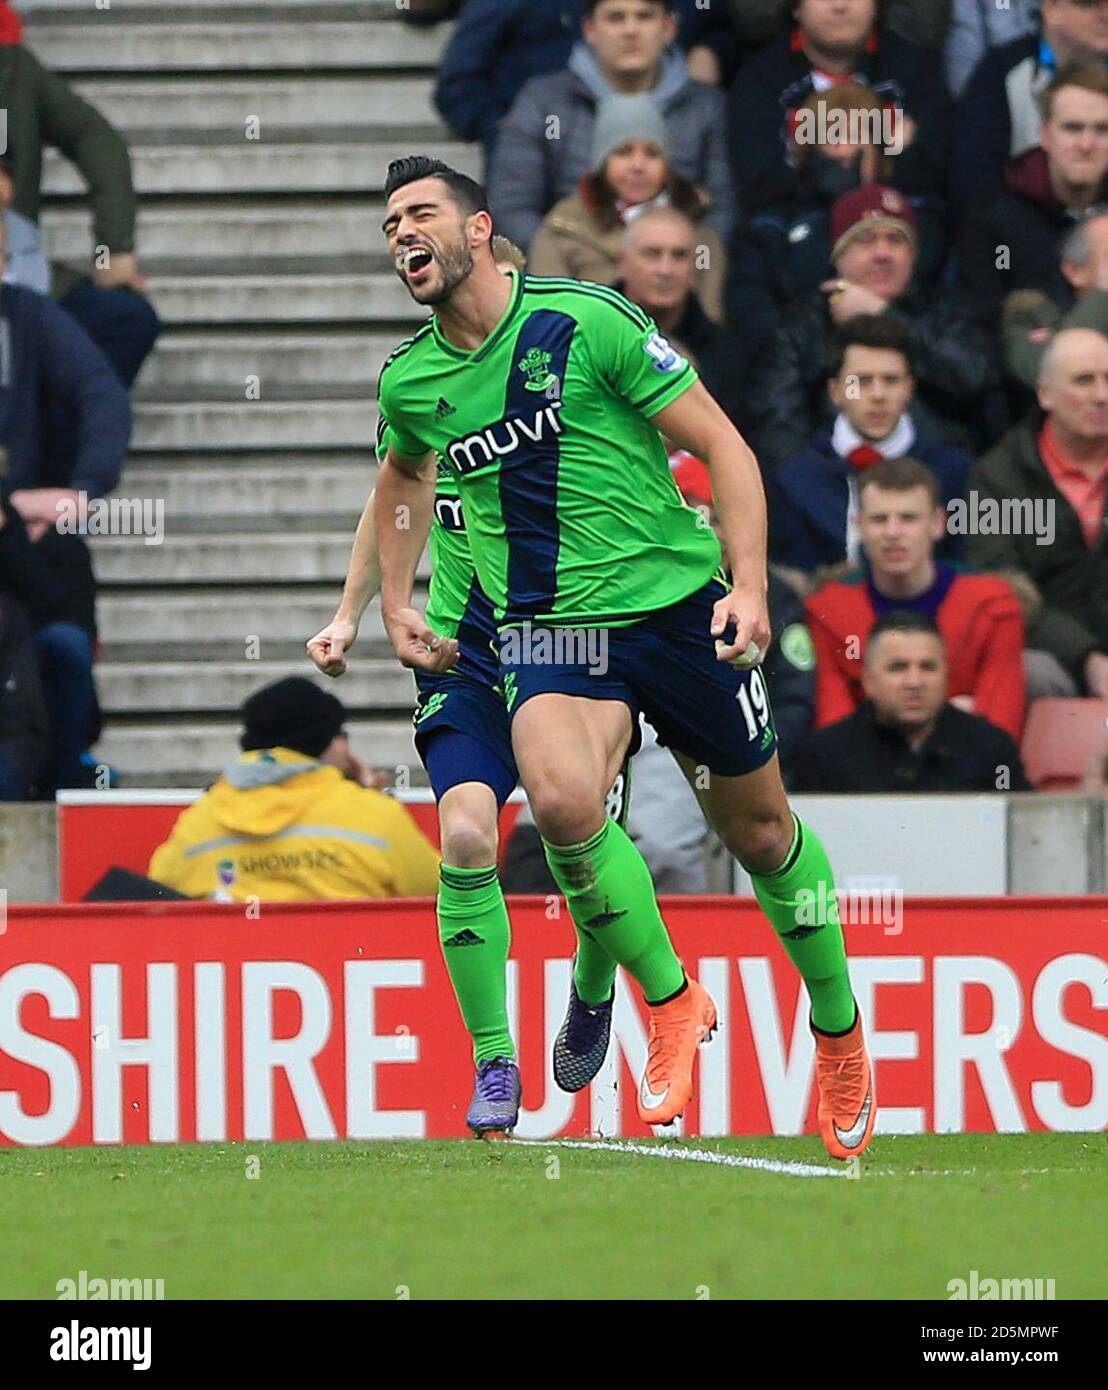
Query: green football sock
<point x="475" y="934"/>
<point x="611" y="899"/>
<point x="594" y="971"/>
<point x="799" y="899"/>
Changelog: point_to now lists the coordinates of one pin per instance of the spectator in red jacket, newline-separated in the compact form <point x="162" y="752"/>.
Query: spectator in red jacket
<point x="979" y="615"/>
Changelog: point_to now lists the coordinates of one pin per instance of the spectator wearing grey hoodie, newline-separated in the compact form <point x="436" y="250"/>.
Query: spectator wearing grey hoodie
<point x="545" y="144"/>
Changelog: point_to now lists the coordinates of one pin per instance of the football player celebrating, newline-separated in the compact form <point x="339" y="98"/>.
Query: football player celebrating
<point x="559" y="390"/>
<point x="463" y="739"/>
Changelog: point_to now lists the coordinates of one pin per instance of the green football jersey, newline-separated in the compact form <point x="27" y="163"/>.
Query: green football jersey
<point x="571" y="510"/>
<point x="450" y="595"/>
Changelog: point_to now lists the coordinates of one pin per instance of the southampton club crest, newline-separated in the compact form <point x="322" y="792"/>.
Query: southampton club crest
<point x="536" y="367"/>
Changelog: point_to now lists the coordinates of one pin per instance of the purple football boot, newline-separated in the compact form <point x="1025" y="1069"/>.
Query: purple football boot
<point x="494" y="1108"/>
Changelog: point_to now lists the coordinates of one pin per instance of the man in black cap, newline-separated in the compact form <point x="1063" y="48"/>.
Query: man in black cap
<point x="296" y="817"/>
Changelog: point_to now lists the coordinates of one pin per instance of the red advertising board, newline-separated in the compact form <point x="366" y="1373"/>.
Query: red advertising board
<point x="167" y="1022"/>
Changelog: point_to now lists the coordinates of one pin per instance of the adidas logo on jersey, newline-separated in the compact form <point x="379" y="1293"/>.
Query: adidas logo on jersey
<point x="444" y="408"/>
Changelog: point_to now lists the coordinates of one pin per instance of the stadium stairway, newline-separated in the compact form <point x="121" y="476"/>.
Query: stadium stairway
<point x="259" y="135"/>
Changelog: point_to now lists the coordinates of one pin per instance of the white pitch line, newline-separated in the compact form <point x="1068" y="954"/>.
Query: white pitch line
<point x="967" y="1172"/>
<point x="784" y="1167"/>
<point x="762" y="1165"/>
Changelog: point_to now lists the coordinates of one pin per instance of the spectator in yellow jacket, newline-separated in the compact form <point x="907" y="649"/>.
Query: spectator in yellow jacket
<point x="286" y="822"/>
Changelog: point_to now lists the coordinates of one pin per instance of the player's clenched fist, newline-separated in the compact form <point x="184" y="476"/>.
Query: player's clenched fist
<point x="328" y="647"/>
<point x="748" y="611"/>
<point x="415" y="643"/>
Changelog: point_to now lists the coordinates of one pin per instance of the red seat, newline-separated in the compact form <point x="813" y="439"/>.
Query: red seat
<point x="1061" y="739"/>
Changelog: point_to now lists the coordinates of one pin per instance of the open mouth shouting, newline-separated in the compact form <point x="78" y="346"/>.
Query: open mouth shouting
<point x="413" y="263"/>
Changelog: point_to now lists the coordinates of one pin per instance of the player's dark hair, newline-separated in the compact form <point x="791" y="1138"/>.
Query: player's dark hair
<point x="466" y="192"/>
<point x="900" y="475"/>
<point x="903" y="620"/>
<point x="871" y="331"/>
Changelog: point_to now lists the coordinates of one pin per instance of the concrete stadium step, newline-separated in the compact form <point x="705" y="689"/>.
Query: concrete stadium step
<point x="223" y="229"/>
<point x="168" y="463"/>
<point x="213" y="614"/>
<point x="302" y="454"/>
<point x="290" y="648"/>
<point x="192" y="753"/>
<point x="355" y="164"/>
<point x="222" y="367"/>
<point x="274" y="245"/>
<point x="241" y="299"/>
<point x="113" y="41"/>
<point x="170" y="687"/>
<point x="260" y="424"/>
<point x="229" y="625"/>
<point x="264" y="558"/>
<point x="253" y="492"/>
<point x="199" y="104"/>
<point x="132" y="621"/>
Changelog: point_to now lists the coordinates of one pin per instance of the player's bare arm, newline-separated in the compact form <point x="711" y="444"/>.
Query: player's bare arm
<point x="328" y="648"/>
<point x="698" y="424"/>
<point x="402" y="517"/>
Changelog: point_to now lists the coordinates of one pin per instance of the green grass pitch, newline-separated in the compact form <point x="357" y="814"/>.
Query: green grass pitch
<point x="504" y="1220"/>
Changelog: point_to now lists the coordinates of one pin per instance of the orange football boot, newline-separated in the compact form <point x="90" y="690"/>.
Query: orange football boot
<point x="677" y="1029"/>
<point x="847" y="1103"/>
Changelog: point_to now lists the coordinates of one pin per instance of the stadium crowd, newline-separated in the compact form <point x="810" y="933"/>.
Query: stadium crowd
<point x="878" y="227"/>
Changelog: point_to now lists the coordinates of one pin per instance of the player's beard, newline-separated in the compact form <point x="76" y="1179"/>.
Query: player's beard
<point x="455" y="265"/>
